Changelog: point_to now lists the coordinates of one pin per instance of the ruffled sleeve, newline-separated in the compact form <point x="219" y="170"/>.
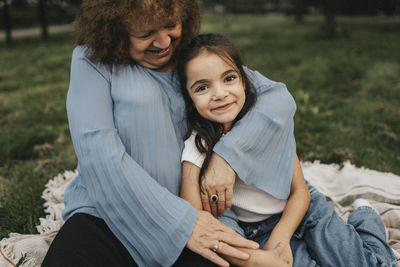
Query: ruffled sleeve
<point x="261" y="146"/>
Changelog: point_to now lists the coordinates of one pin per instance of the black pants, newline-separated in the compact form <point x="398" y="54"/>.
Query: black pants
<point x="86" y="240"/>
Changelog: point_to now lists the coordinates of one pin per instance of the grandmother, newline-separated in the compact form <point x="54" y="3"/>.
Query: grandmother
<point x="126" y="117"/>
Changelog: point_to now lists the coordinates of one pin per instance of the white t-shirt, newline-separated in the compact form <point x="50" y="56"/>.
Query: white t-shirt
<point x="249" y="203"/>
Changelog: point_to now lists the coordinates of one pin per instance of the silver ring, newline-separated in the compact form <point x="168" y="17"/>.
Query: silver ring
<point x="214" y="198"/>
<point x="215" y="247"/>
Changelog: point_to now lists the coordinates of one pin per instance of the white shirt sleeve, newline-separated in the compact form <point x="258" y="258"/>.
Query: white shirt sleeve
<point x="191" y="153"/>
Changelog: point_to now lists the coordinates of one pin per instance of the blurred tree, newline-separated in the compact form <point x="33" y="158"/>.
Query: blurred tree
<point x="7" y="21"/>
<point x="75" y="2"/>
<point x="43" y="19"/>
<point x="329" y="11"/>
<point x="236" y="6"/>
<point x="299" y="7"/>
<point x="19" y="3"/>
<point x="328" y="8"/>
<point x="390" y="7"/>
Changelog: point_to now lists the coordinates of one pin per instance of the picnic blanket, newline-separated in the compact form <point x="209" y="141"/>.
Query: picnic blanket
<point x="340" y="184"/>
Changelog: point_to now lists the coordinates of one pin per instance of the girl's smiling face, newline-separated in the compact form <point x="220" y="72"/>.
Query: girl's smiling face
<point x="216" y="88"/>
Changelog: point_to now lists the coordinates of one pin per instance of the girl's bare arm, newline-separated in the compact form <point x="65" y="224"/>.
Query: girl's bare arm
<point x="295" y="209"/>
<point x="190" y="188"/>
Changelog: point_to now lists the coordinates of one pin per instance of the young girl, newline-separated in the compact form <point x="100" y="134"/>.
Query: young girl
<point x="218" y="92"/>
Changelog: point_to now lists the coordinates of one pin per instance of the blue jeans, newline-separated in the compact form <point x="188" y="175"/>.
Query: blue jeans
<point x="324" y="239"/>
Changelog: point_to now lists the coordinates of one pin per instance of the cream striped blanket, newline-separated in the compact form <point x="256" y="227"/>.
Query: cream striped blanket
<point x="341" y="185"/>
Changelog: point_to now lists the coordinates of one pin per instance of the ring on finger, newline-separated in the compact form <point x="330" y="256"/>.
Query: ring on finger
<point x="215" y="247"/>
<point x="214" y="198"/>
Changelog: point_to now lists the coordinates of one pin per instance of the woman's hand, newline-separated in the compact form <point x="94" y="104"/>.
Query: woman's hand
<point x="218" y="179"/>
<point x="210" y="237"/>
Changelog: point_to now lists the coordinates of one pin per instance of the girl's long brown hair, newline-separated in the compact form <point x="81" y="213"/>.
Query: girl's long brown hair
<point x="209" y="132"/>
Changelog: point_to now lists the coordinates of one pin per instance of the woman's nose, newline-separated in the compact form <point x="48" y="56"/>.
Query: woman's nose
<point x="162" y="40"/>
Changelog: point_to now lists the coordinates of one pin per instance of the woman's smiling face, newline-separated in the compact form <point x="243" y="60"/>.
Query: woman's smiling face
<point x="154" y="45"/>
<point x="216" y="88"/>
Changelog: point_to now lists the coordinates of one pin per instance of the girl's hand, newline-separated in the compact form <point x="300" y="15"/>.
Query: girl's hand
<point x="262" y="257"/>
<point x="272" y="258"/>
<point x="210" y="237"/>
<point x="218" y="179"/>
<point x="286" y="254"/>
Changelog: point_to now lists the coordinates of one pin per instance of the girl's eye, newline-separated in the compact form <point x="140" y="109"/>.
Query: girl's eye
<point x="201" y="88"/>
<point x="230" y="78"/>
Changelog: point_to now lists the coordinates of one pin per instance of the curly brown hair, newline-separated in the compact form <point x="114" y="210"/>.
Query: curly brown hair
<point x="104" y="25"/>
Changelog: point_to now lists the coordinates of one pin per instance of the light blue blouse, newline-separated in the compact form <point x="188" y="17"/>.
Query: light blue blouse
<point x="127" y="126"/>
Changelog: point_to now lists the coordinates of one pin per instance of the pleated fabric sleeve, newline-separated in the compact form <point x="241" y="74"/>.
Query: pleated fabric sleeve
<point x="152" y="223"/>
<point x="261" y="146"/>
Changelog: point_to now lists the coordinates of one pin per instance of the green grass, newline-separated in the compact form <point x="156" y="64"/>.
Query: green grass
<point x="346" y="88"/>
<point x="34" y="137"/>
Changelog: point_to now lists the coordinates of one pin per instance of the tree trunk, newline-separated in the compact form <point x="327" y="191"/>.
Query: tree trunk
<point x="7" y="22"/>
<point x="328" y="7"/>
<point x="299" y="10"/>
<point x="329" y="10"/>
<point x="43" y="18"/>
